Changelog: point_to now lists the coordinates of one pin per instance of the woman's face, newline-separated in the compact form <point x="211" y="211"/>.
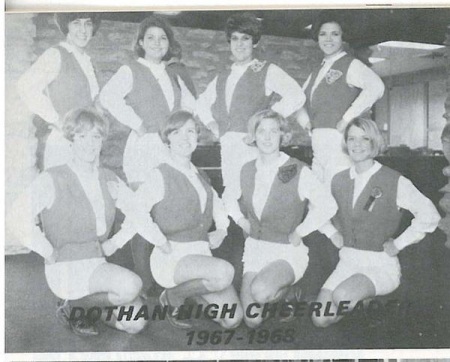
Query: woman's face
<point x="183" y="141"/>
<point x="359" y="145"/>
<point x="268" y="136"/>
<point x="330" y="38"/>
<point x="87" y="144"/>
<point x="80" y="32"/>
<point x="155" y="44"/>
<point x="241" y="45"/>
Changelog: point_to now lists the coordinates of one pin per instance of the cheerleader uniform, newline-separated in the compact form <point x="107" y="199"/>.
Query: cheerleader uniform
<point x="369" y="214"/>
<point x="234" y="96"/>
<point x="144" y="93"/>
<point x="61" y="79"/>
<point x="181" y="205"/>
<point x="278" y="199"/>
<point x="77" y="212"/>
<point x="342" y="88"/>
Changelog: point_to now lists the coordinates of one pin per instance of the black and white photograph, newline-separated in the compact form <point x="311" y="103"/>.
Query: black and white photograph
<point x="234" y="184"/>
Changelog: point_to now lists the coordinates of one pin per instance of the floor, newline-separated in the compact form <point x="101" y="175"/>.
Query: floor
<point x="422" y="321"/>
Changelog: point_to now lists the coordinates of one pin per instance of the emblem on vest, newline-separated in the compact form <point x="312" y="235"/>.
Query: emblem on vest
<point x="287" y="173"/>
<point x="332" y="76"/>
<point x="375" y="194"/>
<point x="257" y="65"/>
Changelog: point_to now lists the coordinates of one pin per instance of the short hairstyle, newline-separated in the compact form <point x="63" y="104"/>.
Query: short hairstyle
<point x="257" y="118"/>
<point x="175" y="121"/>
<point x="371" y="129"/>
<point x="325" y="17"/>
<point x="81" y="119"/>
<point x="63" y="20"/>
<point x="156" y="22"/>
<point x="246" y="23"/>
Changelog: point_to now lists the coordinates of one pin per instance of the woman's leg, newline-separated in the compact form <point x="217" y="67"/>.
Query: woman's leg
<point x="353" y="289"/>
<point x="269" y="285"/>
<point x="141" y="251"/>
<point x="209" y="277"/>
<point x="113" y="285"/>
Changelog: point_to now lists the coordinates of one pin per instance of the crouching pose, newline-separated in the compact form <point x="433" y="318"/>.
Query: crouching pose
<point x="180" y="205"/>
<point x="77" y="204"/>
<point x="274" y="191"/>
<point x="370" y="198"/>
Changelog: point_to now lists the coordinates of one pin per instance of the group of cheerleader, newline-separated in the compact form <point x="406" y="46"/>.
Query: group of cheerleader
<point x="277" y="200"/>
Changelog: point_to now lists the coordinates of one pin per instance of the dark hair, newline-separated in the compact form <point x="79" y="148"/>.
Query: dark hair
<point x="176" y="51"/>
<point x="175" y="121"/>
<point x="63" y="20"/>
<point x="157" y="22"/>
<point x="372" y="131"/>
<point x="246" y="23"/>
<point x="80" y="119"/>
<point x="328" y="17"/>
<point x="257" y="118"/>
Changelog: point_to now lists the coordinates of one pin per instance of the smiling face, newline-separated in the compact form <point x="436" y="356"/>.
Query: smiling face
<point x="80" y="32"/>
<point x="87" y="144"/>
<point x="268" y="136"/>
<point x="183" y="141"/>
<point x="330" y="39"/>
<point x="241" y="45"/>
<point x="155" y="44"/>
<point x="359" y="145"/>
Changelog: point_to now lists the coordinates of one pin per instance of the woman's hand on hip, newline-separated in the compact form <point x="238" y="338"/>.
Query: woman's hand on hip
<point x="216" y="238"/>
<point x="337" y="239"/>
<point x="390" y="248"/>
<point x="166" y="248"/>
<point x="244" y="224"/>
<point x="141" y="130"/>
<point x="295" y="239"/>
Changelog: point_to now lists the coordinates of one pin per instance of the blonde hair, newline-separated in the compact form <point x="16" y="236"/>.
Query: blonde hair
<point x="372" y="131"/>
<point x="257" y="118"/>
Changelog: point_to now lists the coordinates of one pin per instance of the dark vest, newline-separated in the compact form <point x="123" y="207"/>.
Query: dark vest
<point x="178" y="214"/>
<point x="70" y="224"/>
<point x="147" y="98"/>
<point x="283" y="211"/>
<point x="248" y="98"/>
<point x="363" y="227"/>
<point x="70" y="89"/>
<point x="331" y="99"/>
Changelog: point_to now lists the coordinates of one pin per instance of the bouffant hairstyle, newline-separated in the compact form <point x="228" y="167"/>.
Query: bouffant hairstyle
<point x="84" y="119"/>
<point x="63" y="20"/>
<point x="175" y="121"/>
<point x="157" y="22"/>
<point x="372" y="131"/>
<point x="257" y="118"/>
<point x="328" y="17"/>
<point x="246" y="23"/>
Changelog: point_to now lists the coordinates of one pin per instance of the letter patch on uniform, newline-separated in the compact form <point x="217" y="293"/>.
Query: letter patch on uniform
<point x="332" y="76"/>
<point x="287" y="173"/>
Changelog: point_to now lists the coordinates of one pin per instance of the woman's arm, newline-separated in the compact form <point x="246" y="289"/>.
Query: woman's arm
<point x="221" y="220"/>
<point x="112" y="97"/>
<point x="203" y="107"/>
<point x="426" y="216"/>
<point x="33" y="83"/>
<point x="188" y="101"/>
<point x="292" y="96"/>
<point x="372" y="88"/>
<point x="21" y="218"/>
<point x="321" y="204"/>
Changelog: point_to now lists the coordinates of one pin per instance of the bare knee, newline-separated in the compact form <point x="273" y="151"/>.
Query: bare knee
<point x="130" y="288"/>
<point x="253" y="322"/>
<point x="134" y="327"/>
<point x="222" y="278"/>
<point x="232" y="323"/>
<point x="321" y="321"/>
<point x="261" y="292"/>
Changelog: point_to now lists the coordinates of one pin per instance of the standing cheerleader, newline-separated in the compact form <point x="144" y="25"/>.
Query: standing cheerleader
<point x="283" y="203"/>
<point x="62" y="79"/>
<point x="242" y="90"/>
<point x="337" y="91"/>
<point x="370" y="197"/>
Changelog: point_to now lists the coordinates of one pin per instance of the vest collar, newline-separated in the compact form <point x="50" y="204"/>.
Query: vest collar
<point x="334" y="58"/>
